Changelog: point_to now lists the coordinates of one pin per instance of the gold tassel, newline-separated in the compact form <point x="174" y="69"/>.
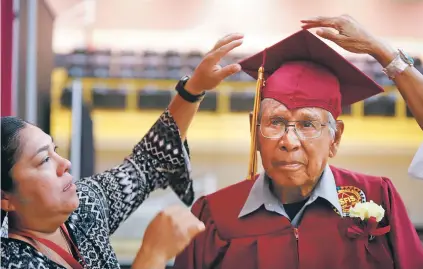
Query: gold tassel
<point x="253" y="147"/>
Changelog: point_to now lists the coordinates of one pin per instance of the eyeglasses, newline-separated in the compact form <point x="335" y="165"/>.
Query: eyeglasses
<point x="275" y="128"/>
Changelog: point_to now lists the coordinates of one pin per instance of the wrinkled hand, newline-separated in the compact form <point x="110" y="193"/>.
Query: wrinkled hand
<point x="209" y="73"/>
<point x="351" y="35"/>
<point x="169" y="233"/>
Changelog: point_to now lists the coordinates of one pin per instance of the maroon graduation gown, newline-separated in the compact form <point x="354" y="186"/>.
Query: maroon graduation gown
<point x="267" y="240"/>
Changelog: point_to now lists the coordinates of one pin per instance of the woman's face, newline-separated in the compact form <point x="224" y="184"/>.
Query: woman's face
<point x="43" y="188"/>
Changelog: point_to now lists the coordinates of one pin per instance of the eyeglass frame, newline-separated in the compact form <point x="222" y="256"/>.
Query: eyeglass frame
<point x="287" y="125"/>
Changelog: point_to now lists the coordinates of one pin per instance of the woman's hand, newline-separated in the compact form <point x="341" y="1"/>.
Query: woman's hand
<point x="350" y="36"/>
<point x="209" y="73"/>
<point x="166" y="236"/>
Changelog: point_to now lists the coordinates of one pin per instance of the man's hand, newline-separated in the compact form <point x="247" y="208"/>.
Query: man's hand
<point x="350" y="35"/>
<point x="208" y="73"/>
<point x="166" y="236"/>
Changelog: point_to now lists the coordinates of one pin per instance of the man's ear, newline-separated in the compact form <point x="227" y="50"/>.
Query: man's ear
<point x="337" y="140"/>
<point x="6" y="203"/>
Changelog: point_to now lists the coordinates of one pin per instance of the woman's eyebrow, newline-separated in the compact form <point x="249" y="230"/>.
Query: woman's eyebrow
<point x="43" y="148"/>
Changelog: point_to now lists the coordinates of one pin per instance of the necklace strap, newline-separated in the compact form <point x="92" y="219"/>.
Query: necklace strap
<point x="56" y="248"/>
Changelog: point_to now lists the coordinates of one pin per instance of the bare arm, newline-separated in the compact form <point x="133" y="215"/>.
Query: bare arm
<point x="166" y="236"/>
<point x="161" y="158"/>
<point x="144" y="261"/>
<point x="207" y="76"/>
<point x="409" y="82"/>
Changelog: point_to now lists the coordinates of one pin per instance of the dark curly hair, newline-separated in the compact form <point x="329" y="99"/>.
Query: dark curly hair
<point x="10" y="150"/>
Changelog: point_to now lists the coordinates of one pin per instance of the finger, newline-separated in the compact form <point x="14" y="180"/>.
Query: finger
<point x="195" y="228"/>
<point x="315" y="19"/>
<point x="191" y="222"/>
<point x="311" y="25"/>
<point x="185" y="218"/>
<point x="218" y="54"/>
<point x="332" y="22"/>
<point x="227" y="39"/>
<point x="330" y="35"/>
<point x="228" y="71"/>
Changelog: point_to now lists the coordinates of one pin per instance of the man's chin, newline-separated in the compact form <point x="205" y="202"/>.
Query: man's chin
<point x="290" y="181"/>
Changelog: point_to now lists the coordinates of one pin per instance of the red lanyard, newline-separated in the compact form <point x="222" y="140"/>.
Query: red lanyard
<point x="56" y="248"/>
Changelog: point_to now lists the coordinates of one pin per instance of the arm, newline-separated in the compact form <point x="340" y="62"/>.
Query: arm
<point x="208" y="248"/>
<point x="406" y="247"/>
<point x="409" y="82"/>
<point x="206" y="76"/>
<point x="166" y="236"/>
<point x="147" y="261"/>
<point x="353" y="37"/>
<point x="160" y="159"/>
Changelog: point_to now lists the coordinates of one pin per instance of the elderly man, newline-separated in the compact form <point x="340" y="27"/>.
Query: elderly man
<point x="301" y="212"/>
<point x="398" y="66"/>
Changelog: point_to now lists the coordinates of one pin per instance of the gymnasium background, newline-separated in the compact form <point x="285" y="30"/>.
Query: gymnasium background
<point x="129" y="54"/>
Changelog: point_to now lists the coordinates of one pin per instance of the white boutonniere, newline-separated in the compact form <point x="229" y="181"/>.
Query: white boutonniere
<point x="367" y="210"/>
<point x="370" y="214"/>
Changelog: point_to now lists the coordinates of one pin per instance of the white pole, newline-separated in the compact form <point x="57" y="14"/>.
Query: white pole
<point x="76" y="129"/>
<point x="15" y="57"/>
<point x="31" y="65"/>
<point x="77" y="100"/>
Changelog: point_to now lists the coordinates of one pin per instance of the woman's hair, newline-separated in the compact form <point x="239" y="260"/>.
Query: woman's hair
<point x="10" y="150"/>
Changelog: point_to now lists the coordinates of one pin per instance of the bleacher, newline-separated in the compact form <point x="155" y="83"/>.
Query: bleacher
<point x="145" y="81"/>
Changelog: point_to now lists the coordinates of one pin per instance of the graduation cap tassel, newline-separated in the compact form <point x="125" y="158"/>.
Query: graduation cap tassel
<point x="253" y="147"/>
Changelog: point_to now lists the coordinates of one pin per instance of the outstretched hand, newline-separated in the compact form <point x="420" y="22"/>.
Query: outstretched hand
<point x="209" y="73"/>
<point x="348" y="34"/>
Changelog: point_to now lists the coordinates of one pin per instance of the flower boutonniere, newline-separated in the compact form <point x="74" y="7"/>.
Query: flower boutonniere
<point x="370" y="214"/>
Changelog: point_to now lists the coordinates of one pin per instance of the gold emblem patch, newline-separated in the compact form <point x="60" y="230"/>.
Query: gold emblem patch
<point x="349" y="196"/>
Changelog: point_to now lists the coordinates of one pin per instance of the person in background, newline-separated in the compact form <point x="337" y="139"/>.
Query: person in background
<point x="301" y="212"/>
<point x="398" y="66"/>
<point x="51" y="221"/>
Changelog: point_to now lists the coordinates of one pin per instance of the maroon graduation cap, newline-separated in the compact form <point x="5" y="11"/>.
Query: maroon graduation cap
<point x="303" y="71"/>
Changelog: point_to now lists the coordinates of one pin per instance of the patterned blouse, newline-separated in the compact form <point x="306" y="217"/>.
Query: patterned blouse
<point x="107" y="199"/>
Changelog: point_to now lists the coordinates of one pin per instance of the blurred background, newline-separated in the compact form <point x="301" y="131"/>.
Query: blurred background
<point x="96" y="74"/>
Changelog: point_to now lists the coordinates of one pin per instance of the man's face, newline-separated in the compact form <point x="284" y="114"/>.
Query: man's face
<point x="293" y="161"/>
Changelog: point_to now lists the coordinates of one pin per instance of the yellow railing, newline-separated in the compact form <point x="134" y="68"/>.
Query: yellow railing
<point x="117" y="129"/>
<point x="60" y="80"/>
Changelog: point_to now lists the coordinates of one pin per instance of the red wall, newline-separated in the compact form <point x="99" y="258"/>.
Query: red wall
<point x="6" y="56"/>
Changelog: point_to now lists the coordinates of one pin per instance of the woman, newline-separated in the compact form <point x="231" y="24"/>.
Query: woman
<point x="409" y="81"/>
<point x="52" y="222"/>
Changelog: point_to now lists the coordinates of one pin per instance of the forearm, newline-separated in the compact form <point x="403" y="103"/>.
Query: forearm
<point x="183" y="111"/>
<point x="144" y="260"/>
<point x="409" y="82"/>
<point x="159" y="160"/>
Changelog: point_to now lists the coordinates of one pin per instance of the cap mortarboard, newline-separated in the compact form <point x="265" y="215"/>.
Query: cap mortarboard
<point x="302" y="71"/>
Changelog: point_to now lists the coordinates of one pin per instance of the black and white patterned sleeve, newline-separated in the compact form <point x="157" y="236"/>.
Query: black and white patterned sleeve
<point x="159" y="160"/>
